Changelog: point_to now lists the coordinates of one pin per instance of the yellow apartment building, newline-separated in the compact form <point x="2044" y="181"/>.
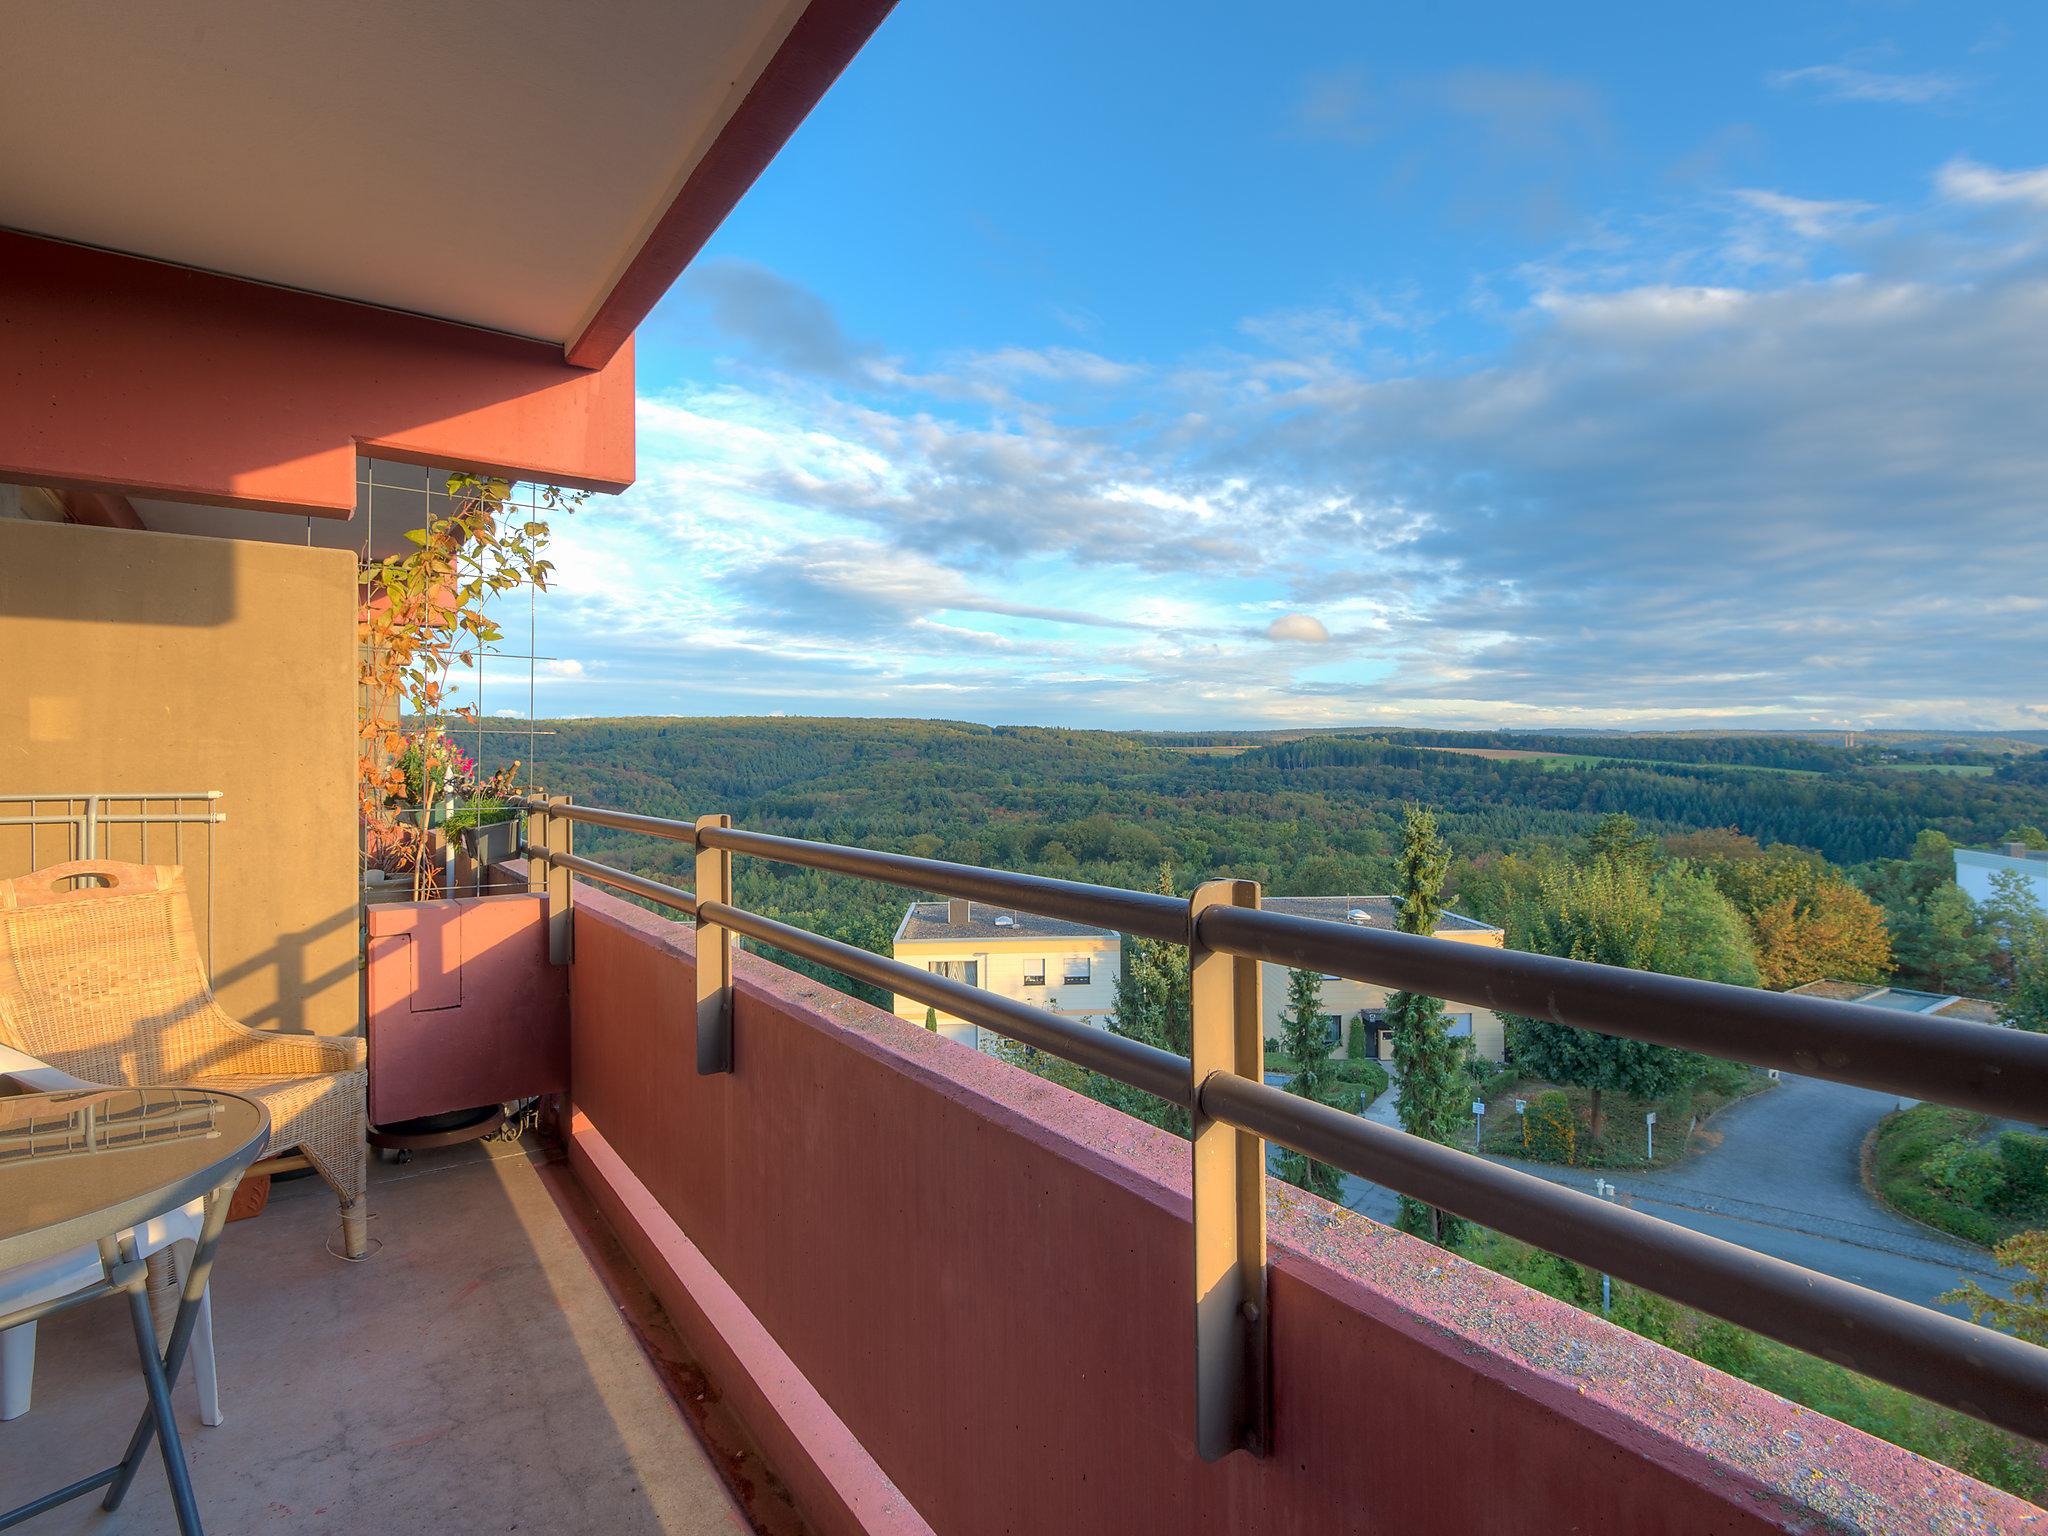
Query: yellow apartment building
<point x="1066" y="968"/>
<point x="1071" y="969"/>
<point x="1349" y="1005"/>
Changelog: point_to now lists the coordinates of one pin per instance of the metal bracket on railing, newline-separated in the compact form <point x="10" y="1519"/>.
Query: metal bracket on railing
<point x="561" y="886"/>
<point x="1233" y="1389"/>
<point x="714" y="956"/>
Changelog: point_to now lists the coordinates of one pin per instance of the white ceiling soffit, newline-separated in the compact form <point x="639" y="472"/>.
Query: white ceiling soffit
<point x="494" y="163"/>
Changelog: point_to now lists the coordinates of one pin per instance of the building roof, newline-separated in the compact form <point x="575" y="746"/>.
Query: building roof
<point x="1973" y="1010"/>
<point x="2016" y="852"/>
<point x="928" y="920"/>
<point x="1365" y="912"/>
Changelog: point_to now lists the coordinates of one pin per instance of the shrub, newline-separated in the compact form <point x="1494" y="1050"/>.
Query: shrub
<point x="1552" y="1131"/>
<point x="1724" y="1346"/>
<point x="1969" y="1174"/>
<point x="2025" y="1160"/>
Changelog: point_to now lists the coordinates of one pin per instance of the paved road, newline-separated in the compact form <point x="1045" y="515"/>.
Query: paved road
<point x="1783" y="1180"/>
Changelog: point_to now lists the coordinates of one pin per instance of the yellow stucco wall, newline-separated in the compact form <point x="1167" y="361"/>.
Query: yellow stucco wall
<point x="143" y="661"/>
<point x="1346" y="998"/>
<point x="1003" y="962"/>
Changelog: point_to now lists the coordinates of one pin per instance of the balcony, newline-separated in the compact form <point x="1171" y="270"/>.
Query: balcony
<point x="938" y="1293"/>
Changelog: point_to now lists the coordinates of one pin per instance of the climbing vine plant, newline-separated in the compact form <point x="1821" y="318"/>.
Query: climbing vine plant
<point x="419" y="615"/>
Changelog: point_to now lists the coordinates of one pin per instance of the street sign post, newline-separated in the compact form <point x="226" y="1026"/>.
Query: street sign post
<point x="1650" y="1136"/>
<point x="1478" y="1120"/>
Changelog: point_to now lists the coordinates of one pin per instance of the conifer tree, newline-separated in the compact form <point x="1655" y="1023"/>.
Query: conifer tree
<point x="1430" y="1060"/>
<point x="1304" y="1037"/>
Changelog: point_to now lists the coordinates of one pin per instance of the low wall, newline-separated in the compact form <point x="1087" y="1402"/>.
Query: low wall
<point x="464" y="1008"/>
<point x="984" y="1281"/>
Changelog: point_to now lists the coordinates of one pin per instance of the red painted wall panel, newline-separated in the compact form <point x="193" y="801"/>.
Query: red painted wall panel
<point x="987" y="1278"/>
<point x="129" y="375"/>
<point x="464" y="1007"/>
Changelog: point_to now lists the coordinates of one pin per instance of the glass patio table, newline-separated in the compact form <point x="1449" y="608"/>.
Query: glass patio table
<point x="80" y="1169"/>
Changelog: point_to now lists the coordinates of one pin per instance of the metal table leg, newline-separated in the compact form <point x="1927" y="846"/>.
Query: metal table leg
<point x="161" y="1375"/>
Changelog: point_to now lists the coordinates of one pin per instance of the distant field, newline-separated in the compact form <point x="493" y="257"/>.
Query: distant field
<point x="1554" y="762"/>
<point x="1497" y="754"/>
<point x="1966" y="770"/>
<point x="1211" y="751"/>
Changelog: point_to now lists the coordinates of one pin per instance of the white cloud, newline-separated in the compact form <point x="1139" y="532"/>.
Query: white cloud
<point x="1768" y="497"/>
<point x="1302" y="627"/>
<point x="1965" y="181"/>
<point x="1846" y="82"/>
<point x="1808" y="217"/>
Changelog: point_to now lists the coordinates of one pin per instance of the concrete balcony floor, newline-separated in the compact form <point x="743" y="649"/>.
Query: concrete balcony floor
<point x="475" y="1374"/>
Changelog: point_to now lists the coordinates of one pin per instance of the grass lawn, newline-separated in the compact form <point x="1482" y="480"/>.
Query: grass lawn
<point x="1624" y="1143"/>
<point x="2003" y="1460"/>
<point x="1895" y="1170"/>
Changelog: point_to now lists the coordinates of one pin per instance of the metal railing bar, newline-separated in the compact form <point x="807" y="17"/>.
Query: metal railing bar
<point x="1145" y="914"/>
<point x="1983" y="1067"/>
<point x="1973" y="1066"/>
<point x="126" y="821"/>
<point x="1991" y="1376"/>
<point x="625" y="880"/>
<point x="1128" y="1061"/>
<point x="624" y="821"/>
<point x="110" y="794"/>
<point x="164" y="821"/>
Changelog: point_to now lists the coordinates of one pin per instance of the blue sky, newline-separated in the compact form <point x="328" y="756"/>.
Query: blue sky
<point x="1190" y="366"/>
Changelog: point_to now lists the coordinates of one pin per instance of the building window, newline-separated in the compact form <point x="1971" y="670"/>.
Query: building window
<point x="1034" y="973"/>
<point x="1079" y="971"/>
<point x="1333" y="1026"/>
<point x="968" y="971"/>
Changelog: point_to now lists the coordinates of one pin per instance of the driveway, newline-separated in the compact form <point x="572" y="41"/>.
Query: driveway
<point x="1783" y="1179"/>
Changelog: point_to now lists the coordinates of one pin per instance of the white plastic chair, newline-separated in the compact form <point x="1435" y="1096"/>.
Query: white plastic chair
<point x="74" y="1271"/>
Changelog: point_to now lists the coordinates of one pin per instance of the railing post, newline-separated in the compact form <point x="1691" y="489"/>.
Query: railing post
<point x="561" y="834"/>
<point x="536" y="844"/>
<point x="1233" y="1395"/>
<point x="714" y="956"/>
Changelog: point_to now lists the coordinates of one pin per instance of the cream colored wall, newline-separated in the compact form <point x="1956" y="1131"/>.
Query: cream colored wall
<point x="1345" y="998"/>
<point x="145" y="661"/>
<point x="1002" y="972"/>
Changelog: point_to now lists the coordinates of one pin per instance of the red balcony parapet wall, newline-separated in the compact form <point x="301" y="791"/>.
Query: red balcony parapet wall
<point x="124" y="375"/>
<point x="985" y="1280"/>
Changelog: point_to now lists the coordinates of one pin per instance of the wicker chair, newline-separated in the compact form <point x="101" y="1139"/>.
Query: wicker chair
<point x="103" y="981"/>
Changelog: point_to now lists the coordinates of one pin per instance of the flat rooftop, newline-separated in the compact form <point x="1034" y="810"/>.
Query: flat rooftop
<point x="1945" y="1005"/>
<point x="474" y="1374"/>
<point x="1366" y="912"/>
<point x="931" y="920"/>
